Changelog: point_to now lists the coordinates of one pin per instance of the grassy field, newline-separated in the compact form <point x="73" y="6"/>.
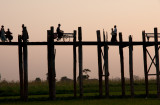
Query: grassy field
<point x="38" y="93"/>
<point x="89" y="102"/>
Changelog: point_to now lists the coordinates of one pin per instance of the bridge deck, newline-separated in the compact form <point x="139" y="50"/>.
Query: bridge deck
<point x="85" y="43"/>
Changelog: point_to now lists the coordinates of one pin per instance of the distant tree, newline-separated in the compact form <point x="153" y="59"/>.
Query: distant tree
<point x="37" y="79"/>
<point x="65" y="78"/>
<point x="4" y="81"/>
<point x="85" y="75"/>
<point x="116" y="79"/>
<point x="135" y="77"/>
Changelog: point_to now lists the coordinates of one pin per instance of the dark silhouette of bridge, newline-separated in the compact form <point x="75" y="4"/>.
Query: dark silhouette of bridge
<point x="102" y="47"/>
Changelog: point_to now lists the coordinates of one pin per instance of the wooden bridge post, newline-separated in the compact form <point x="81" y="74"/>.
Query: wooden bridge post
<point x="21" y="71"/>
<point x="145" y="62"/>
<point x="25" y="66"/>
<point x="131" y="66"/>
<point x="51" y="64"/>
<point x="122" y="65"/>
<point x="74" y="63"/>
<point x="157" y="61"/>
<point x="106" y="68"/>
<point x="80" y="61"/>
<point x="99" y="63"/>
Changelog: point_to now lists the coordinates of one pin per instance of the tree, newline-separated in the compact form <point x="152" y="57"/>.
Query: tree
<point x="136" y="77"/>
<point x="86" y="75"/>
<point x="37" y="79"/>
<point x="0" y="76"/>
<point x="65" y="78"/>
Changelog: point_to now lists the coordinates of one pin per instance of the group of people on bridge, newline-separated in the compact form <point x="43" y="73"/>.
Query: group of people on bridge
<point x="60" y="33"/>
<point x="5" y="35"/>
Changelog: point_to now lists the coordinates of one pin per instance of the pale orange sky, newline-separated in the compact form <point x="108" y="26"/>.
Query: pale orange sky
<point x="130" y="16"/>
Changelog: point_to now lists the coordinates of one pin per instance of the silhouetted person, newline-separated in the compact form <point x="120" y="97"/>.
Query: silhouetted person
<point x="59" y="32"/>
<point x="3" y="38"/>
<point x="112" y="39"/>
<point x="24" y="33"/>
<point x="9" y="35"/>
<point x="114" y="34"/>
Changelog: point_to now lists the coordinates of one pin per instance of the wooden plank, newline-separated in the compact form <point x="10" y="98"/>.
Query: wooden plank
<point x="25" y="66"/>
<point x="49" y="62"/>
<point x="74" y="64"/>
<point x="145" y="63"/>
<point x="80" y="61"/>
<point x="131" y="66"/>
<point x="99" y="63"/>
<point x="152" y="33"/>
<point x="53" y="71"/>
<point x="124" y="43"/>
<point x="21" y="71"/>
<point x="157" y="61"/>
<point x="9" y="43"/>
<point x="67" y="33"/>
<point x="122" y="65"/>
<point x="51" y="65"/>
<point x="106" y="68"/>
<point x="152" y="74"/>
<point x="87" y="43"/>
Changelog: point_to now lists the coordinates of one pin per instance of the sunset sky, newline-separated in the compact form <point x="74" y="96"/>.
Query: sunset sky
<point x="130" y="16"/>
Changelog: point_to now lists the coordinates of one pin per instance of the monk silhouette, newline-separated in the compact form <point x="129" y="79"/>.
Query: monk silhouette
<point x="3" y="37"/>
<point x="9" y="35"/>
<point x="114" y="34"/>
<point x="59" y="32"/>
<point x="24" y="33"/>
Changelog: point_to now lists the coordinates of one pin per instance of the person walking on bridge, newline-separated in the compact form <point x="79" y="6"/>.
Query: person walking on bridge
<point x="114" y="34"/>
<point x="3" y="38"/>
<point x="25" y="35"/>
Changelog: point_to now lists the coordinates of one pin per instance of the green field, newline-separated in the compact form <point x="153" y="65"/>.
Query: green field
<point x="89" y="102"/>
<point x="38" y="93"/>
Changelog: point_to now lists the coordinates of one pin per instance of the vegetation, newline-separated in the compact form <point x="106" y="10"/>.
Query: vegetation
<point x="37" y="79"/>
<point x="85" y="75"/>
<point x="64" y="90"/>
<point x="66" y="87"/>
<point x="114" y="101"/>
<point x="63" y="79"/>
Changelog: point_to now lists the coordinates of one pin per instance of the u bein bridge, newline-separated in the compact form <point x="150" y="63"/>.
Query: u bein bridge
<point x="105" y="44"/>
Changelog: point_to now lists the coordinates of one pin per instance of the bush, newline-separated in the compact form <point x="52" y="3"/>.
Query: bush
<point x="65" y="79"/>
<point x="37" y="79"/>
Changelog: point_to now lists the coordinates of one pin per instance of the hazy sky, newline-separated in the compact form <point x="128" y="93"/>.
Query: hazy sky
<point x="130" y="16"/>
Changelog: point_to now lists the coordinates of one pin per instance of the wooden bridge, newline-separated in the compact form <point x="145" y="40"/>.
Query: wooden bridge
<point x="23" y="60"/>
